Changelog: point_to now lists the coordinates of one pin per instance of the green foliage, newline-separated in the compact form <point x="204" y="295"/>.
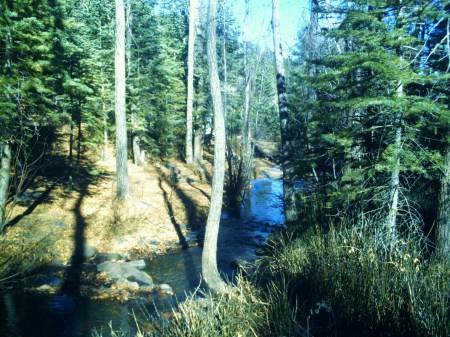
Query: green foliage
<point x="26" y="48"/>
<point x="156" y="76"/>
<point x="347" y="283"/>
<point x="349" y="110"/>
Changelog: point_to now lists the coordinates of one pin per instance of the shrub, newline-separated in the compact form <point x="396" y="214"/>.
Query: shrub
<point x="363" y="290"/>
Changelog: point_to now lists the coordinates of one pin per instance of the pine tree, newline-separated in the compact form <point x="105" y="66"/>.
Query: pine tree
<point x="27" y="87"/>
<point x="366" y="136"/>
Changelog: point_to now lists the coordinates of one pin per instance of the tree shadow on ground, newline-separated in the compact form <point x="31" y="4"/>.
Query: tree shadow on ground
<point x="189" y="264"/>
<point x="192" y="184"/>
<point x="36" y="199"/>
<point x="73" y="277"/>
<point x="52" y="172"/>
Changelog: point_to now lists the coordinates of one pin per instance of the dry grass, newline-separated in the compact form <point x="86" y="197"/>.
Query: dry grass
<point x="44" y="227"/>
<point x="156" y="217"/>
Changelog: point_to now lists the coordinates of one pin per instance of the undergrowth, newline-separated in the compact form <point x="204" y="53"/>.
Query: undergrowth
<point x="349" y="285"/>
<point x="335" y="283"/>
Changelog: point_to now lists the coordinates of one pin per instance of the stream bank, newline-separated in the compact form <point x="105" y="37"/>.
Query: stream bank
<point x="241" y="235"/>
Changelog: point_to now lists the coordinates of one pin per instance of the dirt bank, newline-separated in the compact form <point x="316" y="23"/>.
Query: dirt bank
<point x="65" y="209"/>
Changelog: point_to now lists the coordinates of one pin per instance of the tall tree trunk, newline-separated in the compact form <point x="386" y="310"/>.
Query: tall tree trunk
<point x="394" y="184"/>
<point x="285" y="127"/>
<point x="105" y="127"/>
<point x="443" y="221"/>
<point x="209" y="255"/>
<point x="71" y="138"/>
<point x="103" y="97"/>
<point x="193" y="7"/>
<point x="120" y="92"/>
<point x="79" y="136"/>
<point x="138" y="154"/>
<point x="246" y="134"/>
<point x="5" y="176"/>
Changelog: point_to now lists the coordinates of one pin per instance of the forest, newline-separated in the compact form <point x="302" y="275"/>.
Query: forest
<point x="129" y="128"/>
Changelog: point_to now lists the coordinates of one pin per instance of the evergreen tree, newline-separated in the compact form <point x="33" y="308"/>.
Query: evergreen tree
<point x="365" y="138"/>
<point x="27" y="84"/>
<point x="156" y="86"/>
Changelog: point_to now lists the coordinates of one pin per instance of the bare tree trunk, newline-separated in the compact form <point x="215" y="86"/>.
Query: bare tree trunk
<point x="209" y="255"/>
<point x="246" y="134"/>
<point x="198" y="141"/>
<point x="286" y="137"/>
<point x="71" y="138"/>
<point x="443" y="221"/>
<point x="138" y="154"/>
<point x="5" y="176"/>
<point x="105" y="124"/>
<point x="193" y="8"/>
<point x="79" y="136"/>
<point x="104" y="112"/>
<point x="120" y="92"/>
<point x="394" y="184"/>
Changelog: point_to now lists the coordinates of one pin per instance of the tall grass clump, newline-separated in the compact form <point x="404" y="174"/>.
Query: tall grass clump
<point x="347" y="284"/>
<point x="239" y="312"/>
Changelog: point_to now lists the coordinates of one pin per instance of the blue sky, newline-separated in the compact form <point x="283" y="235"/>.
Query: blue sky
<point x="293" y="15"/>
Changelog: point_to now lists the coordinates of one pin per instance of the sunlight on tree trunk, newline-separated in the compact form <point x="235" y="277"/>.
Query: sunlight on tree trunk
<point x="121" y="123"/>
<point x="286" y="137"/>
<point x="198" y="140"/>
<point x="246" y="133"/>
<point x="443" y="221"/>
<point x="5" y="175"/>
<point x="193" y="8"/>
<point x="395" y="177"/>
<point x="209" y="255"/>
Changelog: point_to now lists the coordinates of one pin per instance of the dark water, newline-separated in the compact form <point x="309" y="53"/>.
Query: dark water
<point x="28" y="315"/>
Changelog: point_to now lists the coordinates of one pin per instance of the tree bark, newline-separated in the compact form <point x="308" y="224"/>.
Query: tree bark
<point x="246" y="134"/>
<point x="138" y="154"/>
<point x="105" y="124"/>
<point x="443" y="221"/>
<point x="209" y="256"/>
<point x="198" y="141"/>
<point x="120" y="91"/>
<point x="79" y="136"/>
<point x="193" y="8"/>
<point x="5" y="176"/>
<point x="285" y="127"/>
<point x="394" y="184"/>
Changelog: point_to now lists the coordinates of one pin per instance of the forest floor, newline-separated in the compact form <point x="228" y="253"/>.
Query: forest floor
<point x="65" y="207"/>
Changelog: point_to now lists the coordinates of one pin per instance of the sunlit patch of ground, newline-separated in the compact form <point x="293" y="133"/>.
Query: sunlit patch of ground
<point x="164" y="206"/>
<point x="158" y="214"/>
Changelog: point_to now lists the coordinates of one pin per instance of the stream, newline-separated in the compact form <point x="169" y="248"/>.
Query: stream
<point x="240" y="236"/>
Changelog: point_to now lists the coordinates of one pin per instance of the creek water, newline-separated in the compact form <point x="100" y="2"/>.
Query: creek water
<point x="29" y="315"/>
